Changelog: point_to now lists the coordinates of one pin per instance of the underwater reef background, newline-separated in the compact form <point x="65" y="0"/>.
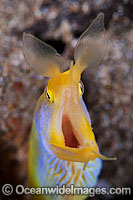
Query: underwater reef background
<point x="108" y="88"/>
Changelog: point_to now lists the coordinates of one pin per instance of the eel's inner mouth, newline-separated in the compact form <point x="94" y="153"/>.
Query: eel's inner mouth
<point x="68" y="132"/>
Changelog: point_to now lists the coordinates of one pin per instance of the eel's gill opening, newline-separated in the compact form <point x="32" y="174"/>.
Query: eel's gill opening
<point x="68" y="132"/>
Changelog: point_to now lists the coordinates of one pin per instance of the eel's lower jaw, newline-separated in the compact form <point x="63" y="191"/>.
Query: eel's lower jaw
<point x="81" y="154"/>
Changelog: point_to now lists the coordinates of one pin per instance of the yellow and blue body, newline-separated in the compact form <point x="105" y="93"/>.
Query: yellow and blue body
<point x="62" y="148"/>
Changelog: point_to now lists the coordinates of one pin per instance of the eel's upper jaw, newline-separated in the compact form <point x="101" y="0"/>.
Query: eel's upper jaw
<point x="74" y="150"/>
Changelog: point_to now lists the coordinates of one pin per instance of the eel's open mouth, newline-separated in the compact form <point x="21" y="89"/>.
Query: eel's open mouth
<point x="75" y="146"/>
<point x="68" y="132"/>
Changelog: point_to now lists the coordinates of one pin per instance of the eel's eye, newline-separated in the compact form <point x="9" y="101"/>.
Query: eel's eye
<point x="81" y="88"/>
<point x="49" y="95"/>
